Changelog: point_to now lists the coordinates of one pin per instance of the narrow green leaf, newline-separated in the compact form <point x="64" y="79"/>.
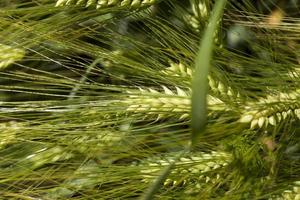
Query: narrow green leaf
<point x="202" y="65"/>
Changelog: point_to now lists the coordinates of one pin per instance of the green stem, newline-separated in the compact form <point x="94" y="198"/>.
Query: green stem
<point x="200" y="78"/>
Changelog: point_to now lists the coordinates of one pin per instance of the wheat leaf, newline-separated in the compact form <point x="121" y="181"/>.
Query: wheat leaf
<point x="202" y="65"/>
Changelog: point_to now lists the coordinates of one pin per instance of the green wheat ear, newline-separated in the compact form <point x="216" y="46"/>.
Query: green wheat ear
<point x="132" y="4"/>
<point x="196" y="164"/>
<point x="215" y="85"/>
<point x="94" y="135"/>
<point x="9" y="55"/>
<point x="292" y="192"/>
<point x="8" y="132"/>
<point x="276" y="109"/>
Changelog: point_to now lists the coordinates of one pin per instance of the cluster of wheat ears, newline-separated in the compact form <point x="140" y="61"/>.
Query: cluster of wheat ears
<point x="149" y="99"/>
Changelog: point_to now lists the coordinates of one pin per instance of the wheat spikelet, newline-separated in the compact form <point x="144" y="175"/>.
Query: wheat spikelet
<point x="293" y="193"/>
<point x="9" y="55"/>
<point x="295" y="74"/>
<point x="133" y="4"/>
<point x="198" y="16"/>
<point x="181" y="70"/>
<point x="167" y="103"/>
<point x="161" y="103"/>
<point x="286" y="106"/>
<point x="8" y="132"/>
<point x="194" y="165"/>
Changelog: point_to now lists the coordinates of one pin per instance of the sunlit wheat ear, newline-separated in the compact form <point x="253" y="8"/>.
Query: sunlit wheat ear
<point x="104" y="140"/>
<point x="132" y="4"/>
<point x="295" y="74"/>
<point x="187" y="168"/>
<point x="216" y="86"/>
<point x="292" y="193"/>
<point x="8" y="132"/>
<point x="167" y="103"/>
<point x="163" y="103"/>
<point x="32" y="156"/>
<point x="198" y="16"/>
<point x="272" y="110"/>
<point x="200" y="9"/>
<point x="9" y="55"/>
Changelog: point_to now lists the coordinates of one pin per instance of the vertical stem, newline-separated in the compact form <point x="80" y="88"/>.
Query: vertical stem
<point x="200" y="77"/>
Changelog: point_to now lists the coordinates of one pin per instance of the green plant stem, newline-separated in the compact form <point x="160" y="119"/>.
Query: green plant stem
<point x="200" y="78"/>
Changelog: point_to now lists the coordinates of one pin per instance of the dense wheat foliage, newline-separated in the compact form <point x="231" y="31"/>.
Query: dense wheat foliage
<point x="97" y="99"/>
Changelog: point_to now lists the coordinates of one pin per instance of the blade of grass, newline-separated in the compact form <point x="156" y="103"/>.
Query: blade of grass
<point x="202" y="65"/>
